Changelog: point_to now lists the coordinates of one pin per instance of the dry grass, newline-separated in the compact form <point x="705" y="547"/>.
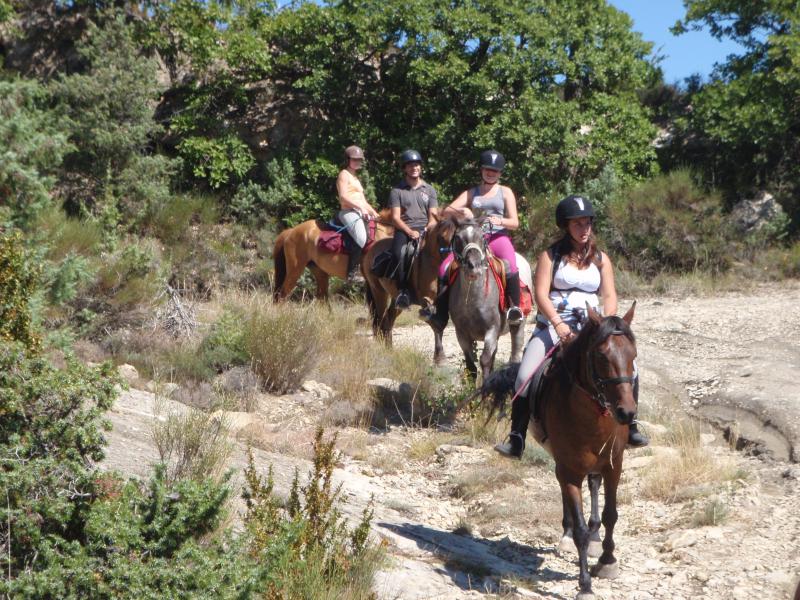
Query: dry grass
<point x="713" y="512"/>
<point x="192" y="444"/>
<point x="691" y="471"/>
<point x="424" y="444"/>
<point x="484" y="478"/>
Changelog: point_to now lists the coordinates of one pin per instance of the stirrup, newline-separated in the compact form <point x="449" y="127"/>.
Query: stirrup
<point x="514" y="447"/>
<point x="514" y="315"/>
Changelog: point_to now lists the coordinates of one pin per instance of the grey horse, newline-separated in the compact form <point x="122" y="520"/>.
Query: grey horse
<point x="475" y="302"/>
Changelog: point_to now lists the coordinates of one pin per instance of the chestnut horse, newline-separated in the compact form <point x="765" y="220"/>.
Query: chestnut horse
<point x="382" y="291"/>
<point x="585" y="406"/>
<point x="296" y="248"/>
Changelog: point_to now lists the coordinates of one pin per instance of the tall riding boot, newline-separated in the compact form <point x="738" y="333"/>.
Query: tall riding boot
<point x="438" y="313"/>
<point x="636" y="439"/>
<point x="520" y="416"/>
<point x="514" y="315"/>
<point x="354" y="264"/>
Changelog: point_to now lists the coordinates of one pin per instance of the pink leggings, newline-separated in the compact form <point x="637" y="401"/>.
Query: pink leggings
<point x="500" y="245"/>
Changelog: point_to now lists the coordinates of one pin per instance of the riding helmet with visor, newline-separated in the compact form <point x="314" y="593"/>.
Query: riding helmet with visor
<point x="353" y="152"/>
<point x="573" y="207"/>
<point x="410" y="156"/>
<point x="492" y="159"/>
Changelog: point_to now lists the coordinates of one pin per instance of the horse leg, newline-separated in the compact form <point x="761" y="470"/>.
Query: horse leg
<point x="595" y="548"/>
<point x="322" y="279"/>
<point x="469" y="353"/>
<point x="567" y="543"/>
<point x="571" y="491"/>
<point x="488" y="354"/>
<point x="517" y="342"/>
<point x="387" y="323"/>
<point x="438" y="347"/>
<point x="607" y="566"/>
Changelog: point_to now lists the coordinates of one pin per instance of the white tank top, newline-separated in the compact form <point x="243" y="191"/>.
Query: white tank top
<point x="574" y="288"/>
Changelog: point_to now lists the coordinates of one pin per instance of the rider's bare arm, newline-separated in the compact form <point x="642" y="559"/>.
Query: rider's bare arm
<point x="459" y="207"/>
<point x="608" y="291"/>
<point x="397" y="221"/>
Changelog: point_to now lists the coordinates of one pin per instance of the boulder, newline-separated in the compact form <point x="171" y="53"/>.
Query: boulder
<point x="128" y="373"/>
<point x="751" y="215"/>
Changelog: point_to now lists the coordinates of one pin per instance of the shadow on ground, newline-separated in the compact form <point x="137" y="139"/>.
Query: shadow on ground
<point x="478" y="564"/>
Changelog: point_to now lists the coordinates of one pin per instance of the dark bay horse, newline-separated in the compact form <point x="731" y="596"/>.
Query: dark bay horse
<point x="586" y="404"/>
<point x="475" y="301"/>
<point x="296" y="248"/>
<point x="382" y="291"/>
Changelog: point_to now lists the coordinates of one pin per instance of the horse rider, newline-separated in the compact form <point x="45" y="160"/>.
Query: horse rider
<point x="570" y="274"/>
<point x="413" y="205"/>
<point x="354" y="209"/>
<point x="498" y="205"/>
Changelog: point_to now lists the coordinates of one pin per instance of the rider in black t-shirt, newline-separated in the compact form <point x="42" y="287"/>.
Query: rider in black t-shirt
<point x="413" y="204"/>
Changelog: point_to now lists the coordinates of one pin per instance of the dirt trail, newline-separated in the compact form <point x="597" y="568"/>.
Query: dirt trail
<point x="709" y="356"/>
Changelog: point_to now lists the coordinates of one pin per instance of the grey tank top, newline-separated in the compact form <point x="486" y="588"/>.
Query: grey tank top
<point x="489" y="206"/>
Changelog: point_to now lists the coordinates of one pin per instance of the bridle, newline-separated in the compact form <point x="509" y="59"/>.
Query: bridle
<point x="599" y="383"/>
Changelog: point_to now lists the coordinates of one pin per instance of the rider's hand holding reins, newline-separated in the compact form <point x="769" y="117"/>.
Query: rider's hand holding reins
<point x="563" y="331"/>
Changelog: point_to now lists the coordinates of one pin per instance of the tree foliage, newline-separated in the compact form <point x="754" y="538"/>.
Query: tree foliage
<point x="744" y="125"/>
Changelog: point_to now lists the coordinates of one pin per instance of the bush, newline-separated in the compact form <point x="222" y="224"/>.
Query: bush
<point x="18" y="279"/>
<point x="224" y="345"/>
<point x="192" y="444"/>
<point x="284" y="344"/>
<point x="307" y="548"/>
<point x="668" y="225"/>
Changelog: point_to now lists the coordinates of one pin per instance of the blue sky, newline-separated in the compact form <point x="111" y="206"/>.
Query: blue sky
<point x="692" y="52"/>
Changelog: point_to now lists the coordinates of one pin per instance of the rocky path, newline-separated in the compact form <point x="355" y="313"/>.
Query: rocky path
<point x="462" y="523"/>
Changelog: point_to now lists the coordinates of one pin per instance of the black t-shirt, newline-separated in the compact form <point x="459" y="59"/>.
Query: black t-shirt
<point x="414" y="203"/>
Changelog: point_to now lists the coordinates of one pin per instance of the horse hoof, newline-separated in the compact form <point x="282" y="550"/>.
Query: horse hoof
<point x="567" y="544"/>
<point x="610" y="571"/>
<point x="585" y="596"/>
<point x="595" y="549"/>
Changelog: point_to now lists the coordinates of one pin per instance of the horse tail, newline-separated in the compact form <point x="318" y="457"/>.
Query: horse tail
<point x="279" y="258"/>
<point x="499" y="386"/>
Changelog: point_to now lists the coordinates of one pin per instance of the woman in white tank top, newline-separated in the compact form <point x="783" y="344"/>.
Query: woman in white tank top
<point x="569" y="275"/>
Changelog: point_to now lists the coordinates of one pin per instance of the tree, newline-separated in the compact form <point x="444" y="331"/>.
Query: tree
<point x="744" y="125"/>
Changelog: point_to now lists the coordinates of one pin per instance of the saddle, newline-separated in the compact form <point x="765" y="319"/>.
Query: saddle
<point x="498" y="268"/>
<point x="333" y="237"/>
<point x="386" y="266"/>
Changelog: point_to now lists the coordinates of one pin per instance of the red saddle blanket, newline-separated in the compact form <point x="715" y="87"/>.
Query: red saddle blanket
<point x="497" y="269"/>
<point x="332" y="239"/>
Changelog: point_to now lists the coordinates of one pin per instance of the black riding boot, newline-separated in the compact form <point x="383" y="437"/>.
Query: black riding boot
<point x="520" y="416"/>
<point x="636" y="439"/>
<point x="514" y="315"/>
<point x="438" y="313"/>
<point x="354" y="264"/>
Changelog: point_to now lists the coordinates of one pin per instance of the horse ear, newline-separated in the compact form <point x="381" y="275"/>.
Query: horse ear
<point x="594" y="316"/>
<point x="629" y="315"/>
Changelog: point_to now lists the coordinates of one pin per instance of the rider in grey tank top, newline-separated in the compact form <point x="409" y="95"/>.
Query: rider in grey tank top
<point x="489" y="206"/>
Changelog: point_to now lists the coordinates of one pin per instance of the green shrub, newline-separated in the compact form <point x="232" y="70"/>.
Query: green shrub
<point x="284" y="344"/>
<point x="224" y="345"/>
<point x="219" y="161"/>
<point x="18" y="280"/>
<point x="667" y="224"/>
<point x="307" y="548"/>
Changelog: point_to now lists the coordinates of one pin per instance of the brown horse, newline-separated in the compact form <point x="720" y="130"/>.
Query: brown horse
<point x="296" y="248"/>
<point x="382" y="291"/>
<point x="584" y="408"/>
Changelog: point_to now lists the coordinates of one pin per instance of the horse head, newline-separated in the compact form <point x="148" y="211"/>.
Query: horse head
<point x="609" y="348"/>
<point x="469" y="248"/>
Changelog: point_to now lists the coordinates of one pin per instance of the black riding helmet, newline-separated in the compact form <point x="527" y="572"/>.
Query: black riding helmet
<point x="573" y="207"/>
<point x="492" y="159"/>
<point x="410" y="156"/>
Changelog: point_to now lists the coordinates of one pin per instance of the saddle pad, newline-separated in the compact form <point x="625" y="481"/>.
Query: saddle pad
<point x="331" y="238"/>
<point x="525" y="299"/>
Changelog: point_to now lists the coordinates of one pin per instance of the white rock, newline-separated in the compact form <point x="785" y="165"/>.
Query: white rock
<point x="128" y="373"/>
<point x="707" y="438"/>
<point x="681" y="539"/>
<point x="653" y="564"/>
<point x="317" y="389"/>
<point x="637" y="462"/>
<point x="653" y="428"/>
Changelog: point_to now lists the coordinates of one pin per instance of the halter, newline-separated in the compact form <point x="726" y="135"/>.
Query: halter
<point x="472" y="246"/>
